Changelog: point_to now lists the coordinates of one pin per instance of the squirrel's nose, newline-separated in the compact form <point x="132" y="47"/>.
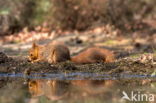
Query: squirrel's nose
<point x="28" y="59"/>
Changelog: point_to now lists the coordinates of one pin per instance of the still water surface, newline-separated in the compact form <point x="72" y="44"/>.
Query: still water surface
<point x="77" y="88"/>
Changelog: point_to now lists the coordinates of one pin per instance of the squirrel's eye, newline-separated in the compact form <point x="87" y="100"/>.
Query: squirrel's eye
<point x="31" y="54"/>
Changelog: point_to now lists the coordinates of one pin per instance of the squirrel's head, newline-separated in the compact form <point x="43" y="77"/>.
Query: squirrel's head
<point x="35" y="88"/>
<point x="34" y="52"/>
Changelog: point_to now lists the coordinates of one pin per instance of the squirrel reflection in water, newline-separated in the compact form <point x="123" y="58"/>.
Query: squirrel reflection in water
<point x="57" y="89"/>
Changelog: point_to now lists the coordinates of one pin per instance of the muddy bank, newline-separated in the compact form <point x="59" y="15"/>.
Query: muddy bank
<point x="122" y="66"/>
<point x="128" y="71"/>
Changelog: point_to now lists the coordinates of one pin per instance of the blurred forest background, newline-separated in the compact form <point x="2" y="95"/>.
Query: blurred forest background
<point x="24" y="21"/>
<point x="78" y="15"/>
<point x="128" y="27"/>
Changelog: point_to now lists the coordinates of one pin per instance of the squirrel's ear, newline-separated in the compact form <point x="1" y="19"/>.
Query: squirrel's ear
<point x="34" y="45"/>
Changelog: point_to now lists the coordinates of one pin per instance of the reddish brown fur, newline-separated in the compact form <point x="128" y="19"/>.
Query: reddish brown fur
<point x="52" y="53"/>
<point x="94" y="55"/>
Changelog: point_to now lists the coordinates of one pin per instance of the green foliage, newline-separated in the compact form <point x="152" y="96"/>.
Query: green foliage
<point x="15" y="14"/>
<point x="77" y="14"/>
<point x="80" y="14"/>
<point x="72" y="14"/>
<point x="41" y="12"/>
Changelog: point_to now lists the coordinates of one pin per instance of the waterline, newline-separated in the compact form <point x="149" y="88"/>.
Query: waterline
<point x="76" y="76"/>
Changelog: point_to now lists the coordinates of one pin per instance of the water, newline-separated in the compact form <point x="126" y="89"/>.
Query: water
<point x="77" y="88"/>
<point x="77" y="76"/>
